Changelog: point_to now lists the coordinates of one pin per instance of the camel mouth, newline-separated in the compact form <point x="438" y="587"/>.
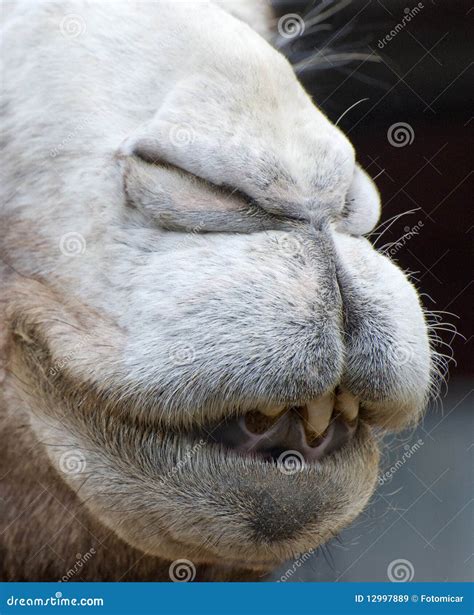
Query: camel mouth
<point x="305" y="432"/>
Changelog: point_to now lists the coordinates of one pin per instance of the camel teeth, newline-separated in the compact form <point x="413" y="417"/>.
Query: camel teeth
<point x="347" y="405"/>
<point x="319" y="412"/>
<point x="272" y="411"/>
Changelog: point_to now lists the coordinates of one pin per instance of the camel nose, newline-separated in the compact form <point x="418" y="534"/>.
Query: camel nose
<point x="253" y="434"/>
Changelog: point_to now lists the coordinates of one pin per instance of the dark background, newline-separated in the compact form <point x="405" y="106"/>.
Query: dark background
<point x="424" y="77"/>
<point x="423" y="514"/>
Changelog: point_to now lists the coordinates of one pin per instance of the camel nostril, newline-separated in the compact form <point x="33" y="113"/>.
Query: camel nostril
<point x="270" y="437"/>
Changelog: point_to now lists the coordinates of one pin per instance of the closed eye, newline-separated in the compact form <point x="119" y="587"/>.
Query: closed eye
<point x="177" y="200"/>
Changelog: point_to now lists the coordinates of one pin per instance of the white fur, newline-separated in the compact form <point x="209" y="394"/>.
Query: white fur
<point x="178" y="115"/>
